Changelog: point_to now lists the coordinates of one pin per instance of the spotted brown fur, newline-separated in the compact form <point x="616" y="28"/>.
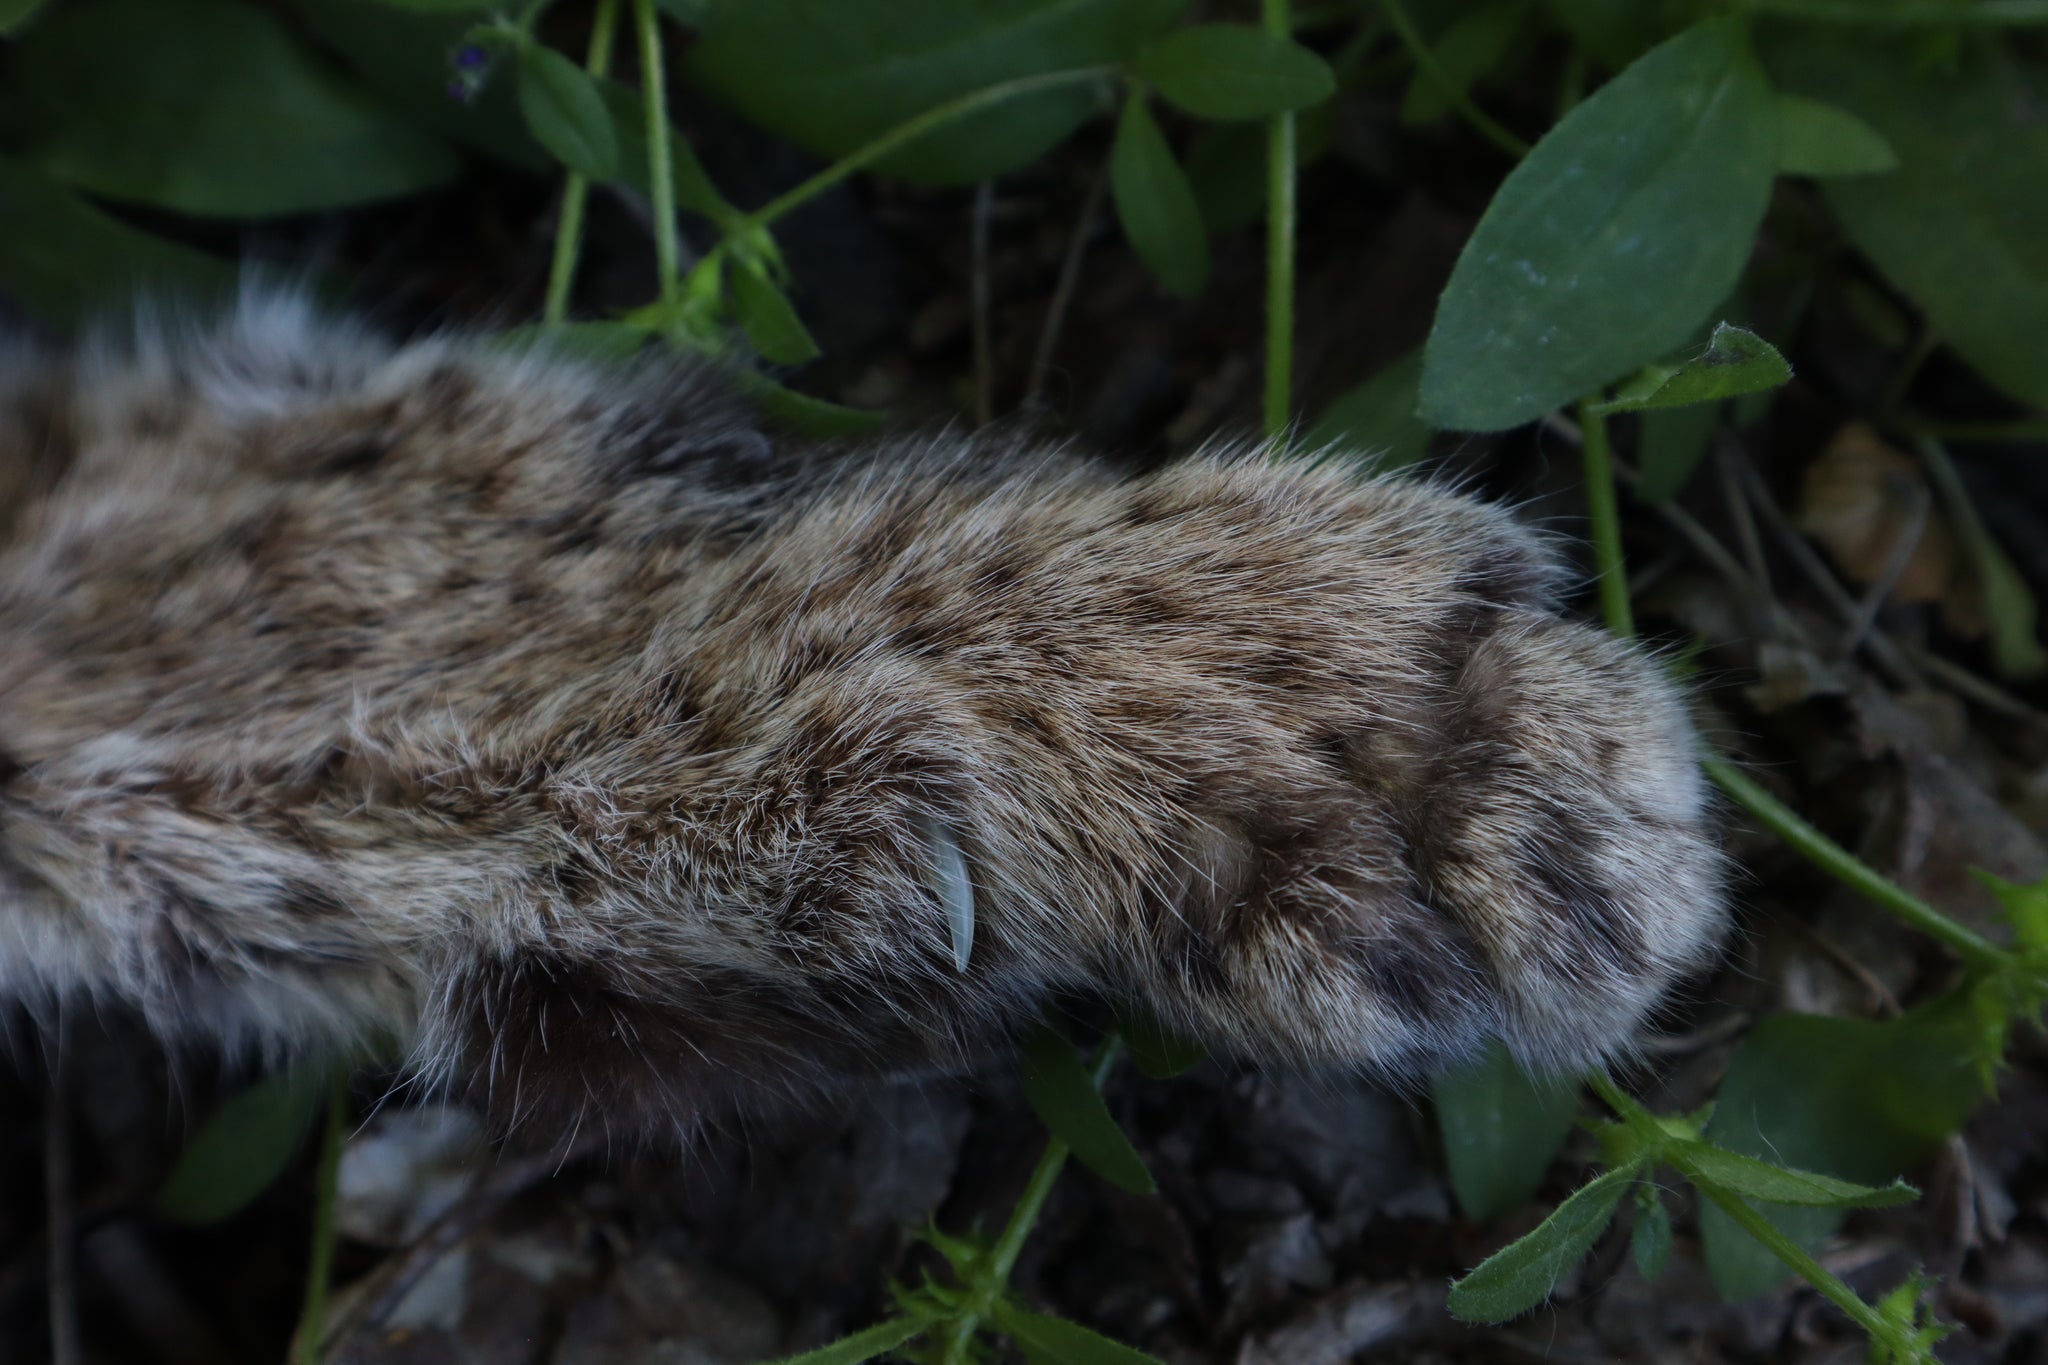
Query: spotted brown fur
<point x="563" y="723"/>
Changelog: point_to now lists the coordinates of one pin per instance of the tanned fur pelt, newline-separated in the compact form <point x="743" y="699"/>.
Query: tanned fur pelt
<point x="630" y="762"/>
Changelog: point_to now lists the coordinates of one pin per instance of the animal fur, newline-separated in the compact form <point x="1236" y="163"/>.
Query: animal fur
<point x="618" y="755"/>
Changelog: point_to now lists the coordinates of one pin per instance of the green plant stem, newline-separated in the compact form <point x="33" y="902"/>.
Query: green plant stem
<point x="661" y="177"/>
<point x="1604" y="514"/>
<point x="1800" y="1262"/>
<point x="912" y="129"/>
<point x="1991" y="13"/>
<point x="1003" y="1257"/>
<point x="576" y="187"/>
<point x="306" y="1341"/>
<point x="1831" y="858"/>
<point x="1425" y="61"/>
<point x="1280" y="214"/>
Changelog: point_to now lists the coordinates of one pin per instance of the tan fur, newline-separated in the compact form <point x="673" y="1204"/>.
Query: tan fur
<point x="563" y="723"/>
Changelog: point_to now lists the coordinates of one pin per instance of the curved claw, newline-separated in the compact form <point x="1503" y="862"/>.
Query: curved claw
<point x="950" y="882"/>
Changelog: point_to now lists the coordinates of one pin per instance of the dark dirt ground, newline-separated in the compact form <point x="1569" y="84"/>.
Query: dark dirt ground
<point x="1300" y="1219"/>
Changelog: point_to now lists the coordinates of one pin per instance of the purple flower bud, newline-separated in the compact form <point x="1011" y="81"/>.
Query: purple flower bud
<point x="470" y="57"/>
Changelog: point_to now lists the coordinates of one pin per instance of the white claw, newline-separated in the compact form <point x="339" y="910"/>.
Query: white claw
<point x="955" y="890"/>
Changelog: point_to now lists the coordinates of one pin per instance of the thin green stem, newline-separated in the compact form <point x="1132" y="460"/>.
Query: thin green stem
<point x="1432" y="70"/>
<point x="575" y="187"/>
<point x="911" y="130"/>
<point x="1280" y="215"/>
<point x="1987" y="13"/>
<point x="1003" y="1257"/>
<point x="1604" y="514"/>
<point x="306" y="1342"/>
<point x="1831" y="858"/>
<point x="1798" y="1260"/>
<point x="661" y="177"/>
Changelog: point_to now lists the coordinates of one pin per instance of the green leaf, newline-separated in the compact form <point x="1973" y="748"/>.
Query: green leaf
<point x="403" y="58"/>
<point x="1649" y="1241"/>
<point x="565" y="113"/>
<point x="1521" y="1274"/>
<point x="15" y="13"/>
<point x="442" y="6"/>
<point x="1378" y="417"/>
<point x="1958" y="226"/>
<point x="245" y="1146"/>
<point x="1857" y="1099"/>
<point x="767" y="317"/>
<point x="1818" y="138"/>
<point x="1235" y="71"/>
<point x="67" y="263"/>
<point x="803" y="414"/>
<point x="1734" y="362"/>
<point x="208" y="107"/>
<point x="832" y="76"/>
<point x="1501" y="1129"/>
<point x="1672" y="444"/>
<point x="1053" y="1339"/>
<point x="1155" y="203"/>
<point x="1469" y="49"/>
<point x="1068" y="1104"/>
<point x="1160" y="1053"/>
<point x="1705" y="1164"/>
<point x="866" y="1344"/>
<point x="1612" y="240"/>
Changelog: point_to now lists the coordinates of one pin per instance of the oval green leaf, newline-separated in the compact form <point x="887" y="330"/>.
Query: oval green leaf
<point x="66" y="262"/>
<point x="833" y="76"/>
<point x="207" y="107"/>
<point x="1059" y="1342"/>
<point x="1521" y="1274"/>
<point x="246" y="1145"/>
<point x="1501" y="1128"/>
<point x="1235" y="71"/>
<point x="768" y="318"/>
<point x="1818" y="138"/>
<point x="1957" y="227"/>
<point x="1068" y="1104"/>
<point x="402" y="57"/>
<point x="1734" y="361"/>
<point x="565" y="112"/>
<point x="1156" y="204"/>
<point x="1612" y="240"/>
